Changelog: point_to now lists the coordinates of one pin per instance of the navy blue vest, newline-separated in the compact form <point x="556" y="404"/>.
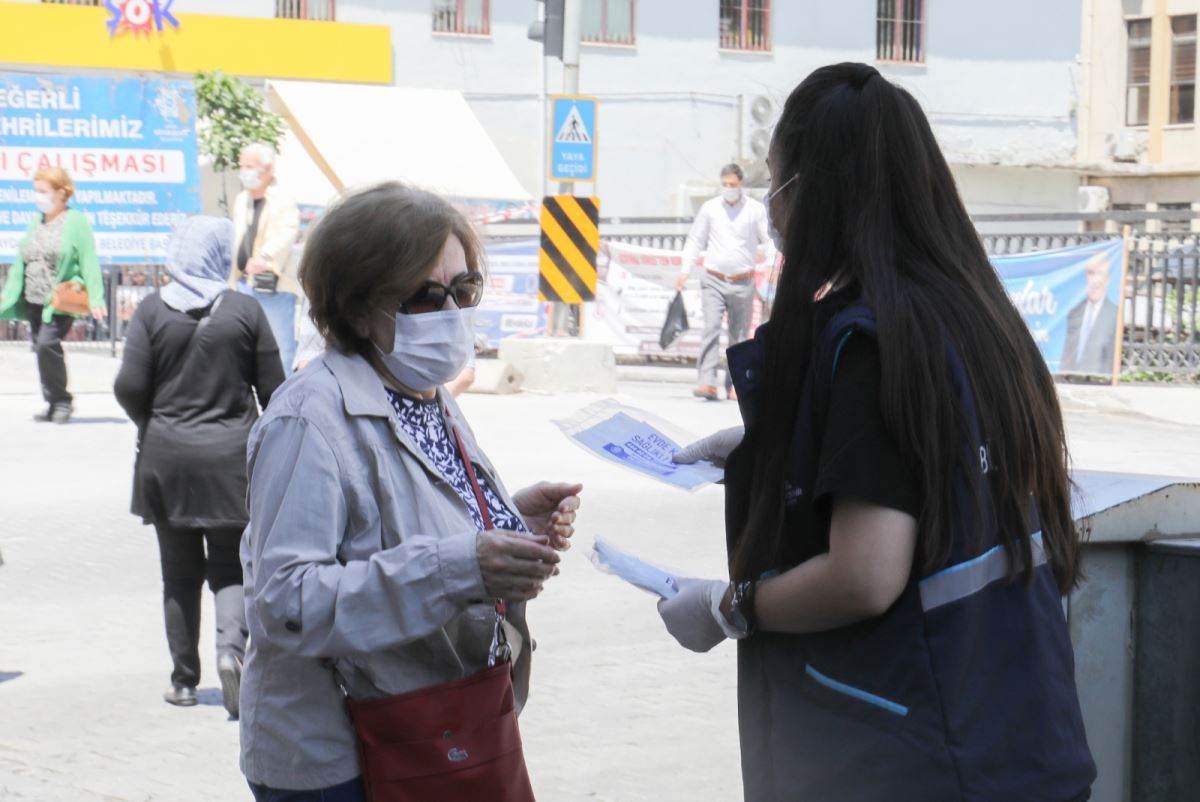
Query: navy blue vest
<point x="963" y="691"/>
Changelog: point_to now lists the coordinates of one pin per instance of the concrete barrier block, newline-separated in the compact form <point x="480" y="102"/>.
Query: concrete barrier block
<point x="563" y="365"/>
<point x="496" y="377"/>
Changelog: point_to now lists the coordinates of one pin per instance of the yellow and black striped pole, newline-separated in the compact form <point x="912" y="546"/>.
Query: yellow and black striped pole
<point x="570" y="241"/>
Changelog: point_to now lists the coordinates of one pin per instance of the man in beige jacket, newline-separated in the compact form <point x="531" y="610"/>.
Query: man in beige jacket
<point x="266" y="223"/>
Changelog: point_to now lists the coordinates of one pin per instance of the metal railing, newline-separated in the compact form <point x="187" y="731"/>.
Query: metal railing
<point x="466" y="17"/>
<point x="1005" y="244"/>
<point x="1161" y="287"/>
<point x="745" y="25"/>
<point x="124" y="288"/>
<point x="320" y="10"/>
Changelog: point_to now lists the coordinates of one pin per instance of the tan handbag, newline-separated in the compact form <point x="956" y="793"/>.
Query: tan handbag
<point x="70" y="298"/>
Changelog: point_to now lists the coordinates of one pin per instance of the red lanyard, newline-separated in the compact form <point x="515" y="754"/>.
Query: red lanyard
<point x="483" y="507"/>
<point x="479" y="499"/>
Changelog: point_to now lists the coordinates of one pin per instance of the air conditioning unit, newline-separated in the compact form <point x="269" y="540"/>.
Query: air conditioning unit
<point x="759" y="115"/>
<point x="1125" y="144"/>
<point x="1093" y="199"/>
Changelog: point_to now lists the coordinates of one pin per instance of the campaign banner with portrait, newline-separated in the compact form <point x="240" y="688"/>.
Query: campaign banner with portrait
<point x="129" y="146"/>
<point x="1071" y="299"/>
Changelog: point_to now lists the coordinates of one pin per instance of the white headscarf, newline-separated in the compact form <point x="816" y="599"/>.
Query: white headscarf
<point x="199" y="262"/>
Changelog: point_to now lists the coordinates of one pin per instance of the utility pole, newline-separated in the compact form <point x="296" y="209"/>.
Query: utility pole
<point x="569" y="317"/>
<point x="572" y="16"/>
<point x="560" y="32"/>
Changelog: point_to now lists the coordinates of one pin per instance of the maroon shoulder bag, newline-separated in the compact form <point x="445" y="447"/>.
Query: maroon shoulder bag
<point x="454" y="742"/>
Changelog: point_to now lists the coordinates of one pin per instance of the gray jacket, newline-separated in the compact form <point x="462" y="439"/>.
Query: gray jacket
<point x="358" y="555"/>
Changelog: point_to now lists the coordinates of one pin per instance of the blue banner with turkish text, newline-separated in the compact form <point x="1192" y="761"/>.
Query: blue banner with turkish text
<point x="128" y="145"/>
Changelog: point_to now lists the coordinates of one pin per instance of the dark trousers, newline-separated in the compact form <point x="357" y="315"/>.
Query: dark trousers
<point x="352" y="791"/>
<point x="47" y="344"/>
<point x="184" y="569"/>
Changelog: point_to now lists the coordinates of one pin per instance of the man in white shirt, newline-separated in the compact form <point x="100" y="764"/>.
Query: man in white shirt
<point x="729" y="229"/>
<point x="1092" y="325"/>
<point x="266" y="223"/>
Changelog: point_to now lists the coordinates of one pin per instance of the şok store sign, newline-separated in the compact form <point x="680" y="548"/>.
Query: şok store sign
<point x="129" y="145"/>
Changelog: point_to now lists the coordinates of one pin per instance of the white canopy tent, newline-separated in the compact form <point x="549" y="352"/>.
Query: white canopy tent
<point x="342" y="136"/>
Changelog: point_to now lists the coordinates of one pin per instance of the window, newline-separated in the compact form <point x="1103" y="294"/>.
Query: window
<point x="746" y="24"/>
<point x="1137" y="97"/>
<point x="321" y="10"/>
<point x="1176" y="226"/>
<point x="469" y="17"/>
<point x="900" y="31"/>
<point x="608" y="21"/>
<point x="1183" y="70"/>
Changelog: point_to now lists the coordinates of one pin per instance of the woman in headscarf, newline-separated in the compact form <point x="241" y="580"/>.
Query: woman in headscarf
<point x="199" y="362"/>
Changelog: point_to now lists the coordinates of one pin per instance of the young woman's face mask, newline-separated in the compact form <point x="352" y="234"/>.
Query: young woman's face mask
<point x="768" y="200"/>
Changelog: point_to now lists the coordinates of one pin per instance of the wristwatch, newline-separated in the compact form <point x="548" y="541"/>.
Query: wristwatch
<point x="741" y="607"/>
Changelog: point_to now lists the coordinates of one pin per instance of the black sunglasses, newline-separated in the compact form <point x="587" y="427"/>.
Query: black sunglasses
<point x="467" y="289"/>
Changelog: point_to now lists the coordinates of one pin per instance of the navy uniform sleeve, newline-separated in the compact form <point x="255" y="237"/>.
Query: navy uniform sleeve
<point x="858" y="456"/>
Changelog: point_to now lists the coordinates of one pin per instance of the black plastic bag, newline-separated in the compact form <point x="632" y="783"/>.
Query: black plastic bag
<point x="675" y="324"/>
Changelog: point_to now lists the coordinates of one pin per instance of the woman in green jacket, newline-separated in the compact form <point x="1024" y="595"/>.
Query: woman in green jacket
<point x="58" y="247"/>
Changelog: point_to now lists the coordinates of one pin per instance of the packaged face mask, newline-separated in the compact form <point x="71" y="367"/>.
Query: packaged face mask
<point x="639" y="573"/>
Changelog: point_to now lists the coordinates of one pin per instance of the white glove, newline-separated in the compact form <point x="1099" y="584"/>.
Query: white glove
<point x="693" y="616"/>
<point x="715" y="448"/>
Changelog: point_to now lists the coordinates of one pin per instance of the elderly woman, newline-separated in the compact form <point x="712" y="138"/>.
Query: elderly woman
<point x="57" y="252"/>
<point x="199" y="361"/>
<point x="375" y="551"/>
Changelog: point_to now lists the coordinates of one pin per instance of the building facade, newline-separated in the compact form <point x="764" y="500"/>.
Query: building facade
<point x="1138" y="142"/>
<point x="685" y="86"/>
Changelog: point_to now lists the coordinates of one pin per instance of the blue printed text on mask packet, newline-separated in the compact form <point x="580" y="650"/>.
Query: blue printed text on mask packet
<point x="634" y="444"/>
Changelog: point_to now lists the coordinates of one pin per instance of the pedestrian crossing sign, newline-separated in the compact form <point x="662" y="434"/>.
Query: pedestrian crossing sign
<point x="572" y="138"/>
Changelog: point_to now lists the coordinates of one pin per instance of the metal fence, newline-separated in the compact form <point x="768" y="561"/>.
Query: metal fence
<point x="1004" y="244"/>
<point x="1162" y="284"/>
<point x="124" y="288"/>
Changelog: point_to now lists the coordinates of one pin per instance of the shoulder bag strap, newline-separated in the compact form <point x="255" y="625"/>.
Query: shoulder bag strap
<point x="212" y="310"/>
<point x="500" y="650"/>
<point x="474" y="479"/>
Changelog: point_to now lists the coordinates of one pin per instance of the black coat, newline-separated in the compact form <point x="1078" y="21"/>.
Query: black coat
<point x="191" y="389"/>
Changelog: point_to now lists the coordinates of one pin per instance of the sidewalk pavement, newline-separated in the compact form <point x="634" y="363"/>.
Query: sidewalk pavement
<point x="93" y="372"/>
<point x="617" y="711"/>
<point x="1165" y="402"/>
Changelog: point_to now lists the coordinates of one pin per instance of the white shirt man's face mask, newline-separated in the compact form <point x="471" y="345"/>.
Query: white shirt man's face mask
<point x="250" y="178"/>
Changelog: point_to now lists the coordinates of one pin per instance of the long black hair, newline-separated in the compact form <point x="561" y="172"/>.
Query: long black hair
<point x="872" y="202"/>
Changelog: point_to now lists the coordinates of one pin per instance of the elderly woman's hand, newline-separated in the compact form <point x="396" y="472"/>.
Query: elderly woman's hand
<point x="514" y="566"/>
<point x="549" y="509"/>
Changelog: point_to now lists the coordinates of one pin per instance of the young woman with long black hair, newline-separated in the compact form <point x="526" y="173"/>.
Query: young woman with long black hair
<point x="898" y="511"/>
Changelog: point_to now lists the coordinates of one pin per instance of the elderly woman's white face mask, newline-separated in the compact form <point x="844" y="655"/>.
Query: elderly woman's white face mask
<point x="429" y="348"/>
